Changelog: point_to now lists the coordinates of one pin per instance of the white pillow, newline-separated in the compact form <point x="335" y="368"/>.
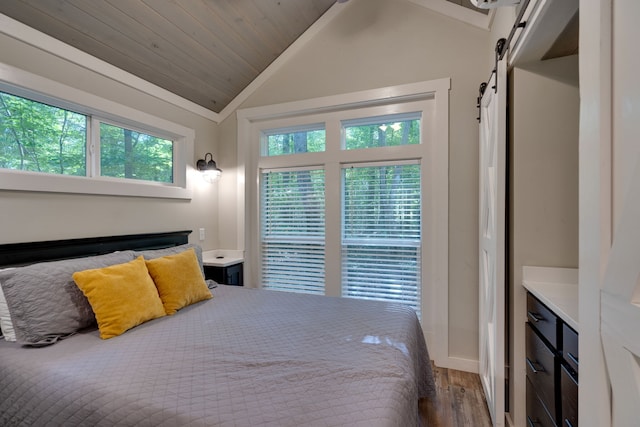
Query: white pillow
<point x="6" y="324"/>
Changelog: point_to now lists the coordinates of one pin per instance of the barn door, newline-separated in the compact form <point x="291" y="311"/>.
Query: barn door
<point x="620" y="294"/>
<point x="493" y="111"/>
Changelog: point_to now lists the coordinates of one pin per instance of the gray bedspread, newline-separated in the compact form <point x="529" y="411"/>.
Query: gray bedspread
<point x="244" y="358"/>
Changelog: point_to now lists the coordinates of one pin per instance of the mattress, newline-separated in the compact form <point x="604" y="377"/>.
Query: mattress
<point x="247" y="357"/>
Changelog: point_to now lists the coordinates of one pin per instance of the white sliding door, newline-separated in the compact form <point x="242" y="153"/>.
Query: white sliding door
<point x="621" y="285"/>
<point x="609" y="214"/>
<point x="493" y="111"/>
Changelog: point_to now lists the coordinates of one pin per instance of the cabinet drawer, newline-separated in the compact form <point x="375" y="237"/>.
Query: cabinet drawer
<point x="537" y="415"/>
<point x="570" y="347"/>
<point x="542" y="319"/>
<point x="569" y="387"/>
<point x="541" y="365"/>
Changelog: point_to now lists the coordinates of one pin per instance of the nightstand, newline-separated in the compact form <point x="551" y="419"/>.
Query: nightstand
<point x="224" y="267"/>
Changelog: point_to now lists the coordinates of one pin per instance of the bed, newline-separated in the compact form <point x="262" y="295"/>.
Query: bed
<point x="245" y="357"/>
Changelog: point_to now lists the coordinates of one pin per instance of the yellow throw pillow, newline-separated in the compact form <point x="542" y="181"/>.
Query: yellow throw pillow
<point x="179" y="280"/>
<point x="122" y="296"/>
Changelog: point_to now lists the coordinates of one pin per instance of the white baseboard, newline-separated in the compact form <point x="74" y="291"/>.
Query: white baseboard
<point x="459" y="364"/>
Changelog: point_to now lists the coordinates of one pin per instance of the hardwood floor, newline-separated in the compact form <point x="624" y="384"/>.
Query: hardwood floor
<point x="459" y="401"/>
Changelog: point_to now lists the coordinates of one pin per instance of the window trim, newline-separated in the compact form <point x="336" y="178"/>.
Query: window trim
<point x="435" y="299"/>
<point x="41" y="89"/>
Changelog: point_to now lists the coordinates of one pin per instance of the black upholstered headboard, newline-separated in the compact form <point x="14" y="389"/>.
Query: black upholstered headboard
<point x="16" y="254"/>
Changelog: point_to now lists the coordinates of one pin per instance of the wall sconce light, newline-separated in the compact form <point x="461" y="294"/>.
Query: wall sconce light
<point x="210" y="171"/>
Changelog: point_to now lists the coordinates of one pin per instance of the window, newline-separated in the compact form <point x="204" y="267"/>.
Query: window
<point x="38" y="137"/>
<point x="293" y="226"/>
<point x="58" y="139"/>
<point x="125" y="153"/>
<point x="377" y="200"/>
<point x="400" y="129"/>
<point x="279" y="142"/>
<point x="381" y="233"/>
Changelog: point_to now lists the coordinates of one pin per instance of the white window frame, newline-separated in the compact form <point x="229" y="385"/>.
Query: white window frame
<point x="432" y="97"/>
<point x="40" y="89"/>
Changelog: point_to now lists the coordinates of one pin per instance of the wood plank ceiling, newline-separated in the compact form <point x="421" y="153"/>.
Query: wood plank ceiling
<point x="206" y="51"/>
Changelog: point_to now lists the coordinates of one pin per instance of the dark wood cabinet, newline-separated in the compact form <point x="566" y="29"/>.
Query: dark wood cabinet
<point x="227" y="275"/>
<point x="552" y="368"/>
<point x="541" y="370"/>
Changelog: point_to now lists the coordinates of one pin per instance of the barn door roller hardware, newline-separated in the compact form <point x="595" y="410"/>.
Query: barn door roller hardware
<point x="502" y="46"/>
<point x="483" y="87"/>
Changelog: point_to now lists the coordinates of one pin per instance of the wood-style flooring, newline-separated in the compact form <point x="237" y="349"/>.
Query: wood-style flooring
<point x="459" y="401"/>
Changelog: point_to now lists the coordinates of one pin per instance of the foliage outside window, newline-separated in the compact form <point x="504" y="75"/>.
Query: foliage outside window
<point x="279" y="142"/>
<point x="125" y="153"/>
<point x="401" y="129"/>
<point x="37" y="137"/>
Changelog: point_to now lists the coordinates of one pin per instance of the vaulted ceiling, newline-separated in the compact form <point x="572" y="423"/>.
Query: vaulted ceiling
<point x="206" y="51"/>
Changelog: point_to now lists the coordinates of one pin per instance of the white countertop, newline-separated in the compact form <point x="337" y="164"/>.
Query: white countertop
<point x="222" y="257"/>
<point x="557" y="288"/>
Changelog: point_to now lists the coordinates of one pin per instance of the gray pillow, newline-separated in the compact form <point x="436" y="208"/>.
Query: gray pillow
<point x="6" y="324"/>
<point x="157" y="253"/>
<point x="44" y="301"/>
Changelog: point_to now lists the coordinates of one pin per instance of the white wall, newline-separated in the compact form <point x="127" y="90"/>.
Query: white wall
<point x="31" y="216"/>
<point x="379" y="43"/>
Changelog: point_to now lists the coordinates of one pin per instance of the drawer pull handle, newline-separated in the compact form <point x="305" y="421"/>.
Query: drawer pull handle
<point x="572" y="358"/>
<point x="535" y="317"/>
<point x="530" y="422"/>
<point x="568" y="423"/>
<point x="534" y="366"/>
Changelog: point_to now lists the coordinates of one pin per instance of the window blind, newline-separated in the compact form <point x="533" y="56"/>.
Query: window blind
<point x="292" y="230"/>
<point x="381" y="233"/>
